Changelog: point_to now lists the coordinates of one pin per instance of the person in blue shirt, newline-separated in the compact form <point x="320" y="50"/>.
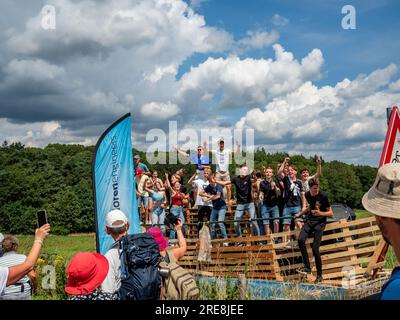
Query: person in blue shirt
<point x="215" y="193"/>
<point x="140" y="165"/>
<point x="201" y="160"/>
<point x="383" y="200"/>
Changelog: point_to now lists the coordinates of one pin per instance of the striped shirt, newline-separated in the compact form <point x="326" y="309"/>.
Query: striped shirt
<point x="3" y="278"/>
<point x="11" y="259"/>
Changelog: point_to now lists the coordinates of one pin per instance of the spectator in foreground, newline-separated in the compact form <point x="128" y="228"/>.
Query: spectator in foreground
<point x="117" y="226"/>
<point x="11" y="275"/>
<point x="85" y="274"/>
<point x="22" y="290"/>
<point x="1" y="239"/>
<point x="162" y="241"/>
<point x="383" y="200"/>
<point x="169" y="255"/>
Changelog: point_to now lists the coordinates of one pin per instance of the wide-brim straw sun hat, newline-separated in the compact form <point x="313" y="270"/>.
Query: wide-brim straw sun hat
<point x="383" y="199"/>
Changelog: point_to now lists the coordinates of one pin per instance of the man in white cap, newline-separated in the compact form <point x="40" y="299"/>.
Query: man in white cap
<point x="383" y="200"/>
<point x="117" y="226"/>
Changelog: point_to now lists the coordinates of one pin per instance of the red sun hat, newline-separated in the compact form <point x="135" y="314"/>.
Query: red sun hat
<point x="85" y="273"/>
<point x="160" y="239"/>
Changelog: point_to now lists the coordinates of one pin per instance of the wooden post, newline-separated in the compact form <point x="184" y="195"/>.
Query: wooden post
<point x="242" y="286"/>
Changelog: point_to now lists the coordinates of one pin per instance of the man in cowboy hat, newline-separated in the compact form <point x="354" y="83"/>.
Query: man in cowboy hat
<point x="383" y="200"/>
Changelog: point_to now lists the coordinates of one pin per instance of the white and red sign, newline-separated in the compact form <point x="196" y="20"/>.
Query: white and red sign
<point x="391" y="148"/>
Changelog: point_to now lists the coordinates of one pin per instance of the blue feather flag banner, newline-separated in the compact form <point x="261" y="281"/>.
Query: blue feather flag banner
<point x="113" y="180"/>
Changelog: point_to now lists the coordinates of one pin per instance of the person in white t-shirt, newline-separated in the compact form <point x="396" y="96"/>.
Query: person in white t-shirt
<point x="222" y="157"/>
<point x="117" y="226"/>
<point x="199" y="183"/>
<point x="11" y="275"/>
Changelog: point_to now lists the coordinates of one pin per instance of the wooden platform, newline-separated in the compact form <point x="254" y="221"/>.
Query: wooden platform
<point x="348" y="251"/>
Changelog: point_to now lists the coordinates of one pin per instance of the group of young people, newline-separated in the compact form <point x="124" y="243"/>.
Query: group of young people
<point x="274" y="201"/>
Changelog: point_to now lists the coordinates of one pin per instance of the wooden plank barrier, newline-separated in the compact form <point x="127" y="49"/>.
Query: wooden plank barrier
<point x="347" y="248"/>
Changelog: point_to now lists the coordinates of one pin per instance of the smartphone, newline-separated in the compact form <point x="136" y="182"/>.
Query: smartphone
<point x="41" y="218"/>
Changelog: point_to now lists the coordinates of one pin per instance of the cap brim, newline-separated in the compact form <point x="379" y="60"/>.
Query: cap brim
<point x="384" y="206"/>
<point x="95" y="282"/>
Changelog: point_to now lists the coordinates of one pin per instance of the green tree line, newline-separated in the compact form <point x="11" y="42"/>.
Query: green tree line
<point x="58" y="179"/>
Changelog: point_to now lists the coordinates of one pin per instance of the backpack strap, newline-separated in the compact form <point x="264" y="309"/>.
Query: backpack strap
<point x="122" y="256"/>
<point x="170" y="256"/>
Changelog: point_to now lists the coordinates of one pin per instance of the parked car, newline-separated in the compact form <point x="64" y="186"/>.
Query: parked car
<point x="341" y="211"/>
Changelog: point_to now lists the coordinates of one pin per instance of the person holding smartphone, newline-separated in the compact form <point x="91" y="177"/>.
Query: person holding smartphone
<point x="11" y="275"/>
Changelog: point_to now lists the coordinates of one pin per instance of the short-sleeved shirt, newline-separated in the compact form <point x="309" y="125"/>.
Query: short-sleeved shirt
<point x="320" y="200"/>
<point x="204" y="160"/>
<point x="11" y="259"/>
<point x="200" y="184"/>
<point x="270" y="196"/>
<point x="391" y="289"/>
<point x="243" y="189"/>
<point x="112" y="282"/>
<point x="3" y="278"/>
<point x="142" y="167"/>
<point x="222" y="158"/>
<point x="142" y="184"/>
<point x="219" y="203"/>
<point x="292" y="192"/>
<point x="306" y="187"/>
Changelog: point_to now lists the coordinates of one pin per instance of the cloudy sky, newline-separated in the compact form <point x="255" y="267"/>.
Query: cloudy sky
<point x="286" y="69"/>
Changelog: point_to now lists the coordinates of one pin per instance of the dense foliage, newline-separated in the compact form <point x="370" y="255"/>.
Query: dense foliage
<point x="58" y="178"/>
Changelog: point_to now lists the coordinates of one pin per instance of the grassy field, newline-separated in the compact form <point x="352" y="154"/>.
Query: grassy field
<point x="65" y="246"/>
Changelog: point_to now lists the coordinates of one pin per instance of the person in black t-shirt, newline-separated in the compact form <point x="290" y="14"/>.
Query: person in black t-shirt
<point x="293" y="197"/>
<point x="269" y="192"/>
<point x="316" y="212"/>
<point x="243" y="185"/>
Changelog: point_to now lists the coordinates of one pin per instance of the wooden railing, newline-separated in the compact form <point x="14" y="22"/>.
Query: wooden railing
<point x="347" y="250"/>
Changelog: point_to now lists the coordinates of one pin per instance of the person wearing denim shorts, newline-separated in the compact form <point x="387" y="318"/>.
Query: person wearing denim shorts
<point x="293" y="195"/>
<point x="176" y="208"/>
<point x="157" y="202"/>
<point x="269" y="192"/>
<point x="243" y="185"/>
<point x="215" y="193"/>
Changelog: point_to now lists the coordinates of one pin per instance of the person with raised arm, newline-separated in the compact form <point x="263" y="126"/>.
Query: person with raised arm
<point x="293" y="197"/>
<point x="177" y="201"/>
<point x="223" y="160"/>
<point x="11" y="275"/>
